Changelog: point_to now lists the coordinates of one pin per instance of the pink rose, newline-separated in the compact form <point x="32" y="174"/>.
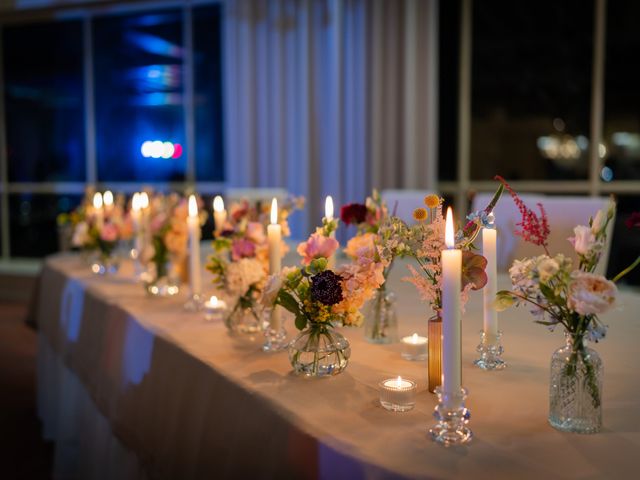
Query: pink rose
<point x="317" y="246"/>
<point x="255" y="232"/>
<point x="583" y="240"/>
<point x="157" y="222"/>
<point x="242" y="248"/>
<point x="591" y="294"/>
<point x="109" y="233"/>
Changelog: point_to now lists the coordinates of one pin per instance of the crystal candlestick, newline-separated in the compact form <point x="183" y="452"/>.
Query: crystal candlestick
<point x="452" y="417"/>
<point x="490" y="350"/>
<point x="274" y="333"/>
<point x="195" y="303"/>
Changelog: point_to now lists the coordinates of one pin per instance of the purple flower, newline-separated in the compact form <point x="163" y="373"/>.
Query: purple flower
<point x="326" y="288"/>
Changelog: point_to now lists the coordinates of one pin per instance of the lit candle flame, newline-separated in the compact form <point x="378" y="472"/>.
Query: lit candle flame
<point x="135" y="202"/>
<point x="108" y="198"/>
<point x="449" y="239"/>
<point x="218" y="204"/>
<point x="274" y="211"/>
<point x="414" y="338"/>
<point x="193" y="206"/>
<point x="399" y="381"/>
<point x="328" y="208"/>
<point x="491" y="220"/>
<point x="144" y="200"/>
<point x="213" y="301"/>
<point x="97" y="200"/>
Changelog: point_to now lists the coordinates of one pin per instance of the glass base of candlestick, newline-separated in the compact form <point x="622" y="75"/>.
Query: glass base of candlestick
<point x="195" y="303"/>
<point x="275" y="336"/>
<point x="490" y="350"/>
<point x="453" y="418"/>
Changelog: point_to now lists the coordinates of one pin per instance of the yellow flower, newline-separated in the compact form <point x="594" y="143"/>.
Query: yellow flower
<point x="432" y="201"/>
<point x="420" y="214"/>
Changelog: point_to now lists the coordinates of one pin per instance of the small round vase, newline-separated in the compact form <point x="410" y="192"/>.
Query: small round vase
<point x="575" y="391"/>
<point x="160" y="280"/>
<point x="380" y="318"/>
<point x="104" y="264"/>
<point x="245" y="319"/>
<point x="319" y="351"/>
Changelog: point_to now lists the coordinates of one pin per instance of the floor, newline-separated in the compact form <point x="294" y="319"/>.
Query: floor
<point x="23" y="453"/>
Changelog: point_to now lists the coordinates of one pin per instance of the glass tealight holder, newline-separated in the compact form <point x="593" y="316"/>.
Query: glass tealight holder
<point x="414" y="347"/>
<point x="398" y="394"/>
<point x="214" y="309"/>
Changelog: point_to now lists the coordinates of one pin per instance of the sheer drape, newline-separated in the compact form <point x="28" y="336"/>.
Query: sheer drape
<point x="330" y="97"/>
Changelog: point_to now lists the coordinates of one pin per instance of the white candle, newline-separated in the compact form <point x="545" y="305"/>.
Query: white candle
<point x="414" y="347"/>
<point x="274" y="235"/>
<point x="219" y="213"/>
<point x="451" y="285"/>
<point x="193" y="223"/>
<point x="144" y="208"/>
<point x="489" y="237"/>
<point x="97" y="209"/>
<point x="107" y="198"/>
<point x="328" y="215"/>
<point x="214" y="308"/>
<point x="136" y="216"/>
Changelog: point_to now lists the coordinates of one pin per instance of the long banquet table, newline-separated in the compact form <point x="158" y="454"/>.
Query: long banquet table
<point x="135" y="387"/>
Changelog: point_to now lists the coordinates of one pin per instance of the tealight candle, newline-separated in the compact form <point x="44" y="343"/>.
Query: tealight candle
<point x="414" y="347"/>
<point x="398" y="394"/>
<point x="214" y="308"/>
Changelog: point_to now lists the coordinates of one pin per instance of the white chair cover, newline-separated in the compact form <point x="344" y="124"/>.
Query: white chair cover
<point x="404" y="202"/>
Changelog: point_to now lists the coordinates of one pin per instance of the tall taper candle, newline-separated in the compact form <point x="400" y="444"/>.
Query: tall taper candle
<point x="97" y="209"/>
<point x="193" y="223"/>
<point x="219" y="213"/>
<point x="146" y="218"/>
<point x="136" y="217"/>
<point x="489" y="237"/>
<point x="107" y="198"/>
<point x="274" y="235"/>
<point x="328" y="215"/>
<point x="451" y="284"/>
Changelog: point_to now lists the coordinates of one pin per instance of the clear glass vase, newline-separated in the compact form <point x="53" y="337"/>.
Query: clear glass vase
<point x="575" y="392"/>
<point x="380" y="318"/>
<point x="245" y="317"/>
<point x="160" y="280"/>
<point x="103" y="263"/>
<point x="319" y="351"/>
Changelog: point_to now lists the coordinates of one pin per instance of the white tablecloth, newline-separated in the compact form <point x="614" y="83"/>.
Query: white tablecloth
<point x="134" y="387"/>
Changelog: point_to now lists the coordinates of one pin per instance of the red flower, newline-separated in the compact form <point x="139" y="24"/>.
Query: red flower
<point x="353" y="213"/>
<point x="633" y="221"/>
<point x="533" y="228"/>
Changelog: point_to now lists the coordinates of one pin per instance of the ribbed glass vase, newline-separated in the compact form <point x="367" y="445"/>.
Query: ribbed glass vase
<point x="319" y="351"/>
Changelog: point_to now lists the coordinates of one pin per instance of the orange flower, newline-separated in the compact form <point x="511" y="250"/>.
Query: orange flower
<point x="432" y="201"/>
<point x="420" y="214"/>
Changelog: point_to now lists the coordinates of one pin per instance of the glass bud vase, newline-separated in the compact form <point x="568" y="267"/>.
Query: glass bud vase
<point x="103" y="263"/>
<point x="575" y="392"/>
<point x="244" y="318"/>
<point x="160" y="279"/>
<point x="380" y="318"/>
<point x="319" y="351"/>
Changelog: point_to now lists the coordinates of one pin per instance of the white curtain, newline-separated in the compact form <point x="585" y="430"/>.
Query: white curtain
<point x="330" y="97"/>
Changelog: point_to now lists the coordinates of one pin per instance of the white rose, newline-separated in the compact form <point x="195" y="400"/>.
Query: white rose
<point x="591" y="294"/>
<point x="547" y="268"/>
<point x="271" y="290"/>
<point x="584" y="239"/>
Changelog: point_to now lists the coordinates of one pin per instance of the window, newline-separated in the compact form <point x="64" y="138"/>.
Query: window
<point x="106" y="98"/>
<point x="44" y="102"/>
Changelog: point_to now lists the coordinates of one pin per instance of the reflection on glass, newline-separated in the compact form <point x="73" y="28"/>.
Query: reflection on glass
<point x="622" y="94"/>
<point x="207" y="68"/>
<point x="44" y="101"/>
<point x="33" y="226"/>
<point x="139" y="88"/>
<point x="531" y="80"/>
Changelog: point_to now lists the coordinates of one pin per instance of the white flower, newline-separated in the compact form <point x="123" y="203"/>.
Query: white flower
<point x="243" y="274"/>
<point x="596" y="332"/>
<point x="583" y="240"/>
<point x="271" y="290"/>
<point x="547" y="268"/>
<point x="80" y="235"/>
<point x="598" y="222"/>
<point x="591" y="294"/>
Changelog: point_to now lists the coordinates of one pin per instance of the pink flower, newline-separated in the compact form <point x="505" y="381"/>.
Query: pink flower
<point x="583" y="240"/>
<point x="317" y="246"/>
<point x="242" y="248"/>
<point x="591" y="294"/>
<point x="109" y="233"/>
<point x="361" y="245"/>
<point x="157" y="222"/>
<point x="255" y="232"/>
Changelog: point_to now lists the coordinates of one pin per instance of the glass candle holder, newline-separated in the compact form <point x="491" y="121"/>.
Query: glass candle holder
<point x="398" y="394"/>
<point x="214" y="309"/>
<point x="414" y="347"/>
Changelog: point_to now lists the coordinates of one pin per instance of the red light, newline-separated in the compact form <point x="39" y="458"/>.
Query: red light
<point x="177" y="150"/>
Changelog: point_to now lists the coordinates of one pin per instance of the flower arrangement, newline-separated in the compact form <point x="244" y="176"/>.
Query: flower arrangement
<point x="558" y="292"/>
<point x="240" y="263"/>
<point x="320" y="298"/>
<point x="424" y="242"/>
